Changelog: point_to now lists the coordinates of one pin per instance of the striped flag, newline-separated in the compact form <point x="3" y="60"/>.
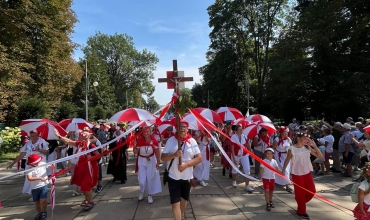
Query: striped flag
<point x="52" y="190"/>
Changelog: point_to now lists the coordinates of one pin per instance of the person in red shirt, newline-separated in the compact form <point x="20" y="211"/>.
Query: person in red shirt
<point x="86" y="170"/>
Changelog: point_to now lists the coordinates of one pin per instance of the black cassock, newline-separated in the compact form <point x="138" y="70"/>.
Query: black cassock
<point x="117" y="167"/>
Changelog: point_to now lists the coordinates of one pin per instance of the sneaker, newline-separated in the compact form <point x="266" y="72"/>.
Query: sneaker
<point x="141" y="196"/>
<point x="30" y="199"/>
<point x="257" y="177"/>
<point x="38" y="216"/>
<point x="211" y="165"/>
<point x="98" y="189"/>
<point x="150" y="199"/>
<point x="43" y="215"/>
<point x="272" y="204"/>
<point x="234" y="183"/>
<point x="304" y="216"/>
<point x="268" y="207"/>
<point x="288" y="188"/>
<point x="249" y="188"/>
<point x="202" y="183"/>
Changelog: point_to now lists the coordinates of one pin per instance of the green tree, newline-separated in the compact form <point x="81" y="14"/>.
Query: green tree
<point x="32" y="107"/>
<point x="152" y="104"/>
<point x="122" y="66"/>
<point x="36" y="46"/>
<point x="65" y="110"/>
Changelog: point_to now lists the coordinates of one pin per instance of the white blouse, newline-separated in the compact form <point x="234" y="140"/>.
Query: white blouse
<point x="300" y="162"/>
<point x="283" y="147"/>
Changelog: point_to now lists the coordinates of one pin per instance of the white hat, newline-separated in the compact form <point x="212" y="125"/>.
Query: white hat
<point x="269" y="149"/>
<point x="347" y="126"/>
<point x="338" y="123"/>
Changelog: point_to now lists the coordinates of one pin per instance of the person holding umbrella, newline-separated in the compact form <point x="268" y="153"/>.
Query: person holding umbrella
<point x="86" y="170"/>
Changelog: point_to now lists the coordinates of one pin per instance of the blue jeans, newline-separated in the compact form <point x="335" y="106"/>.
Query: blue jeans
<point x="40" y="193"/>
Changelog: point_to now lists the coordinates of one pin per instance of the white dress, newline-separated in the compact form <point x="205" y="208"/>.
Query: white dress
<point x="201" y="170"/>
<point x="148" y="175"/>
<point x="281" y="154"/>
<point x="29" y="149"/>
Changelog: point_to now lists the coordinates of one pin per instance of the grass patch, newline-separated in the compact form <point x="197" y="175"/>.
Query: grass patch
<point x="5" y="157"/>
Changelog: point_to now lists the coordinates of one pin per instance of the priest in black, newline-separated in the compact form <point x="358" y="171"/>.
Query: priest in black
<point x="118" y="159"/>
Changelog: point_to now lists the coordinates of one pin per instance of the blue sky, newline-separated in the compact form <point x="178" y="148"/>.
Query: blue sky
<point x="172" y="29"/>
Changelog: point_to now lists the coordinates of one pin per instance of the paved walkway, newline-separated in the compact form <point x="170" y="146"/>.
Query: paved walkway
<point x="219" y="200"/>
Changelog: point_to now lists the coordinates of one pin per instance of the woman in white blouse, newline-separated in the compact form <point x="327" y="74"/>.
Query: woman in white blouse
<point x="239" y="155"/>
<point x="301" y="168"/>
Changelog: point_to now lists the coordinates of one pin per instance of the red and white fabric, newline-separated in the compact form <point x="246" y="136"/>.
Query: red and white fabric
<point x="163" y="127"/>
<point x="209" y="114"/>
<point x="241" y="121"/>
<point x="44" y="127"/>
<point x="229" y="114"/>
<point x="253" y="129"/>
<point x="52" y="190"/>
<point x="194" y="124"/>
<point x="133" y="114"/>
<point x="147" y="122"/>
<point x="75" y="124"/>
<point x="258" y="118"/>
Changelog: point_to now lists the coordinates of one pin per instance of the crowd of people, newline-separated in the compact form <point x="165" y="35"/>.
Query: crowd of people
<point x="296" y="153"/>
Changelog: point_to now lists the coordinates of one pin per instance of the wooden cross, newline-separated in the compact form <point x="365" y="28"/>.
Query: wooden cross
<point x="175" y="80"/>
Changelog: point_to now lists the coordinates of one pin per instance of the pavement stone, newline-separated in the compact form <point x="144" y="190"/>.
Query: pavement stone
<point x="218" y="200"/>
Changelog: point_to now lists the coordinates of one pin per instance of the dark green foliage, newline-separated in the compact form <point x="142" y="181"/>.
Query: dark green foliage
<point x="32" y="108"/>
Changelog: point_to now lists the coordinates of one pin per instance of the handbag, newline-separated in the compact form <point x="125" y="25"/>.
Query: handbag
<point x="166" y="173"/>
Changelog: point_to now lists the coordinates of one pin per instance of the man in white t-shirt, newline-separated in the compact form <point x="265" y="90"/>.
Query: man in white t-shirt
<point x="180" y="175"/>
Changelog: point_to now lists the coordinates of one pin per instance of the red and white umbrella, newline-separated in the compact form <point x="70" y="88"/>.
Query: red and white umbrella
<point x="133" y="114"/>
<point x="209" y="114"/>
<point x="241" y="121"/>
<point x="367" y="128"/>
<point x="75" y="124"/>
<point x="44" y="127"/>
<point x="229" y="114"/>
<point x="252" y="129"/>
<point x="163" y="127"/>
<point x="258" y="118"/>
<point x="194" y="124"/>
<point x="52" y="190"/>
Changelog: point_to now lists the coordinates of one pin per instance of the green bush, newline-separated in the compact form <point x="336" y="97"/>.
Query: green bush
<point x="100" y="113"/>
<point x="65" y="110"/>
<point x="11" y="139"/>
<point x="32" y="108"/>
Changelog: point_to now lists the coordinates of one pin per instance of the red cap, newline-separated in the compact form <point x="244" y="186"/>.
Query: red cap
<point x="185" y="122"/>
<point x="34" y="159"/>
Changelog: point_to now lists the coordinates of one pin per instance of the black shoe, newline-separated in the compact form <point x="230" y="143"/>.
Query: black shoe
<point x="230" y="175"/>
<point x="123" y="181"/>
<point x="332" y="168"/>
<point x="272" y="204"/>
<point x="335" y="171"/>
<point x="43" y="215"/>
<point x="268" y="207"/>
<point x="38" y="216"/>
<point x="98" y="189"/>
<point x="223" y="171"/>
<point x="304" y="216"/>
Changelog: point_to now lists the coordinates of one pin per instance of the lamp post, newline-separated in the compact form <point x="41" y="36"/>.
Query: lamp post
<point x="87" y="91"/>
<point x="240" y="83"/>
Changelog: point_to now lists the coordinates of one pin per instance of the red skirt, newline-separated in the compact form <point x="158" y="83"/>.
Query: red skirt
<point x="357" y="213"/>
<point x="224" y="162"/>
<point x="86" y="174"/>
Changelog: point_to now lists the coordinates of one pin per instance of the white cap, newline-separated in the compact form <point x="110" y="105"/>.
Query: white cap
<point x="269" y="149"/>
<point x="347" y="126"/>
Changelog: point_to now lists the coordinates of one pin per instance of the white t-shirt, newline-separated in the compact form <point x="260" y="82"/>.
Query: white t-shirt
<point x="267" y="173"/>
<point x="242" y="142"/>
<point x="330" y="139"/>
<point x="300" y="162"/>
<point x="366" y="197"/>
<point x="30" y="148"/>
<point x="38" y="172"/>
<point x="189" y="151"/>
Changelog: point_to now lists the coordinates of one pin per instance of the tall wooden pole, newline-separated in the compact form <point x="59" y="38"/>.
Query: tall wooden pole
<point x="177" y="114"/>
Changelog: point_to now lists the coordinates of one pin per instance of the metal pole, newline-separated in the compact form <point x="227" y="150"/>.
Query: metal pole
<point x="126" y="99"/>
<point x="248" y="87"/>
<point x="87" y="89"/>
<point x="208" y="99"/>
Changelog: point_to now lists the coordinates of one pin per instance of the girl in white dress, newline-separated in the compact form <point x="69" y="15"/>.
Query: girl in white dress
<point x="147" y="165"/>
<point x="280" y="146"/>
<point x="201" y="170"/>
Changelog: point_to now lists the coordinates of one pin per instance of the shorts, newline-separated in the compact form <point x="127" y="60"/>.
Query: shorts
<point x="178" y="189"/>
<point x="212" y="150"/>
<point x="23" y="164"/>
<point x="40" y="193"/>
<point x="347" y="160"/>
<point x="327" y="156"/>
<point x="268" y="184"/>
